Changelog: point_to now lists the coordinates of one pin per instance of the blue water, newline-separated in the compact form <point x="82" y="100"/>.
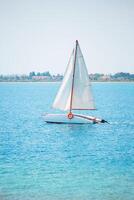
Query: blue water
<point x="40" y="161"/>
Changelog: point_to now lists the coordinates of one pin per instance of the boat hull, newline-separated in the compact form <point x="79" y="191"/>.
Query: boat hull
<point x="77" y="119"/>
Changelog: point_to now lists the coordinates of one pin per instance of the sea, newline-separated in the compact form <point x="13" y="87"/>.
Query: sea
<point x="40" y="161"/>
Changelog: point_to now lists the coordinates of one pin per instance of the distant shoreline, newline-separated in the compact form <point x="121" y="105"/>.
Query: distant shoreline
<point x="30" y="81"/>
<point x="47" y="77"/>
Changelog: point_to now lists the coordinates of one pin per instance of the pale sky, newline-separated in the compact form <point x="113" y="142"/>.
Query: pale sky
<point x="38" y="35"/>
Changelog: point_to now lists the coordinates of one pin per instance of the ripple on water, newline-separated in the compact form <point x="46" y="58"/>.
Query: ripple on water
<point x="53" y="162"/>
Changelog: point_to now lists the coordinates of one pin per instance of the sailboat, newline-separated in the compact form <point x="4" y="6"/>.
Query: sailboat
<point x="75" y="93"/>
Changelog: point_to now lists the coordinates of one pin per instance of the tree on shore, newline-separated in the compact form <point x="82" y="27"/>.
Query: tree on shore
<point x="31" y="74"/>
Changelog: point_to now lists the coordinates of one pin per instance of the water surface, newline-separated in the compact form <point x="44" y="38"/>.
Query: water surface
<point x="66" y="162"/>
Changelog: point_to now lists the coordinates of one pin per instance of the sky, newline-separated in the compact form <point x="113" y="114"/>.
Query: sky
<point x="39" y="35"/>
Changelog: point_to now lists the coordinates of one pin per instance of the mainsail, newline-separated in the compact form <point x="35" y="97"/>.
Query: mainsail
<point x="76" y="75"/>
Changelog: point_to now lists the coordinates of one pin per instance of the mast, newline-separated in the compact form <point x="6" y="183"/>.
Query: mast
<point x="71" y="100"/>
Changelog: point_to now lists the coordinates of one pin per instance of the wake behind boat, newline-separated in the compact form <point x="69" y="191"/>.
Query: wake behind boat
<point x="74" y="94"/>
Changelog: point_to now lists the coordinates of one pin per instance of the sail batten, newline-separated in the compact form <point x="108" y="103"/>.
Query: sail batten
<point x="81" y="97"/>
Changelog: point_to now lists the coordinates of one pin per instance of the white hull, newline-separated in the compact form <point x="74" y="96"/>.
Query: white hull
<point x="77" y="119"/>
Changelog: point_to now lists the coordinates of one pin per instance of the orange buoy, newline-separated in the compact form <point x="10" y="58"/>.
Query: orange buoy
<point x="70" y="115"/>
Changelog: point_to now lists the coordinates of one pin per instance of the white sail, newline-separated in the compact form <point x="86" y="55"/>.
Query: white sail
<point x="62" y="100"/>
<point x="82" y="96"/>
